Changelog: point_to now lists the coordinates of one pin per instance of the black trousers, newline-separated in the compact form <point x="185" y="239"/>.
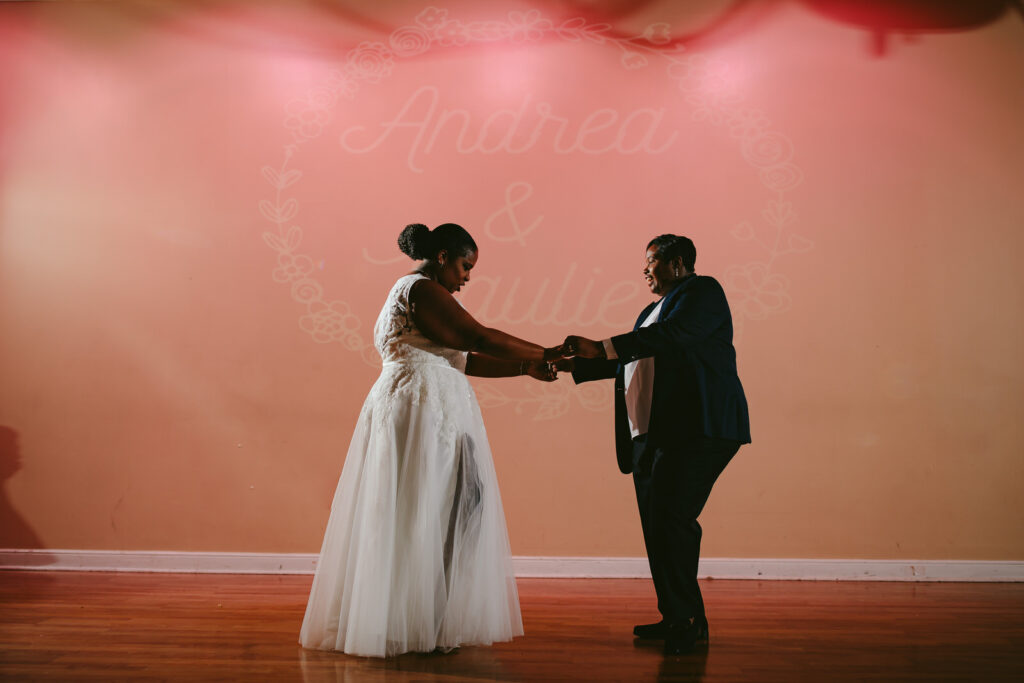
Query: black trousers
<point x="672" y="485"/>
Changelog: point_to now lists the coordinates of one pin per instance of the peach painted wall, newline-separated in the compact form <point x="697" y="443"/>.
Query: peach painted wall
<point x="197" y="229"/>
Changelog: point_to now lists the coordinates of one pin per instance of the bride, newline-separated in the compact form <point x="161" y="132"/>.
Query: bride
<point x="416" y="556"/>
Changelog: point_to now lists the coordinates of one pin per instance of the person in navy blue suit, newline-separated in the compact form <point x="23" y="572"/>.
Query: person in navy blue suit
<point x="680" y="417"/>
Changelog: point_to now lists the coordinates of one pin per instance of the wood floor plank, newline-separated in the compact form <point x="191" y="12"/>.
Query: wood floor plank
<point x="69" y="626"/>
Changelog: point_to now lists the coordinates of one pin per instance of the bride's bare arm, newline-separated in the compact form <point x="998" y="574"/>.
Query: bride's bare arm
<point x="443" y="321"/>
<point x="481" y="365"/>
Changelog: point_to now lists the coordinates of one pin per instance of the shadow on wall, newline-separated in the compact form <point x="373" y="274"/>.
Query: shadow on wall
<point x="880" y="19"/>
<point x="15" y="533"/>
<point x="311" y="28"/>
<point x="911" y="18"/>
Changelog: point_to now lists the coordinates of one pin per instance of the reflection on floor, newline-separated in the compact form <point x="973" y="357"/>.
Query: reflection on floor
<point x="104" y="626"/>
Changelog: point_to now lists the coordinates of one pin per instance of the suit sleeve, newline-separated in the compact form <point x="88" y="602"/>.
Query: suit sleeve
<point x="699" y="313"/>
<point x="588" y="369"/>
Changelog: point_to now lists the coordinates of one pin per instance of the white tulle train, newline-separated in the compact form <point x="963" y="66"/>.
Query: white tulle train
<point x="415" y="555"/>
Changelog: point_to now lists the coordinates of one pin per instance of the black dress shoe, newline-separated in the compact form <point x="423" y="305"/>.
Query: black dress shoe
<point x="659" y="630"/>
<point x="683" y="638"/>
<point x="650" y="631"/>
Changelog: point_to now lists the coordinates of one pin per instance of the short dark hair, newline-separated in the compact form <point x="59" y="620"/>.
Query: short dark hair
<point x="675" y="246"/>
<point x="417" y="241"/>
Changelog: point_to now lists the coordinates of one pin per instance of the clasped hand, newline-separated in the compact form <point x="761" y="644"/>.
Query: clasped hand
<point x="560" y="358"/>
<point x="581" y="347"/>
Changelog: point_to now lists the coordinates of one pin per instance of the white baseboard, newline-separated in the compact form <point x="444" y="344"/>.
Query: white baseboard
<point x="158" y="561"/>
<point x="764" y="569"/>
<point x="776" y="569"/>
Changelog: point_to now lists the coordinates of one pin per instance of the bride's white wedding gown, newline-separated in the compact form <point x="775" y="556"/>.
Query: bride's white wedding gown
<point x="416" y="554"/>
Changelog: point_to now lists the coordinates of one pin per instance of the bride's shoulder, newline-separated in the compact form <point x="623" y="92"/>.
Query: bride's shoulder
<point x="407" y="284"/>
<point x="407" y="280"/>
<point x="413" y="274"/>
<point x="410" y="279"/>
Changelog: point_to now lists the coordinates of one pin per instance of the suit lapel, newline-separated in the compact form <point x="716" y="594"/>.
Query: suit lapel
<point x="643" y="315"/>
<point x="672" y="297"/>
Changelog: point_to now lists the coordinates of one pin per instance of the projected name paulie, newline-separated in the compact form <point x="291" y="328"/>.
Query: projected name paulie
<point x="512" y="131"/>
<point x="569" y="303"/>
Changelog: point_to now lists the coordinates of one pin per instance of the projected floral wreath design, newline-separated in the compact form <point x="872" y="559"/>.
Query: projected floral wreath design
<point x="756" y="289"/>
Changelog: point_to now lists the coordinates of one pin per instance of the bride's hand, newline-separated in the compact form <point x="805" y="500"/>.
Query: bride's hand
<point x="542" y="370"/>
<point x="553" y="353"/>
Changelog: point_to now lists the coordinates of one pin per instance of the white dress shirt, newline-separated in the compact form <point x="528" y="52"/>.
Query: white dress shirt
<point x="639" y="379"/>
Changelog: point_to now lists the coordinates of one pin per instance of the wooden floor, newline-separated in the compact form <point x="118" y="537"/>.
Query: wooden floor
<point x="98" y="626"/>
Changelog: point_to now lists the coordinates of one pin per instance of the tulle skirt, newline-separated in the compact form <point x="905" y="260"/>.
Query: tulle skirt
<point x="416" y="555"/>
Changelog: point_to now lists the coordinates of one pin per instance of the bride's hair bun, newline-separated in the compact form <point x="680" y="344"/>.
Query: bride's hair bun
<point x="414" y="241"/>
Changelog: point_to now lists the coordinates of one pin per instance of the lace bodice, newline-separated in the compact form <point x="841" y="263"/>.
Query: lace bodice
<point x="397" y="338"/>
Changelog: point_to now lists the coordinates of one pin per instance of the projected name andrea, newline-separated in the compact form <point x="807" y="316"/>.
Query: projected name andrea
<point x="425" y="127"/>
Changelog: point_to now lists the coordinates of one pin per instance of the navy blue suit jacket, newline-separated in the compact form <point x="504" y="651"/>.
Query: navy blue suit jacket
<point x="697" y="390"/>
